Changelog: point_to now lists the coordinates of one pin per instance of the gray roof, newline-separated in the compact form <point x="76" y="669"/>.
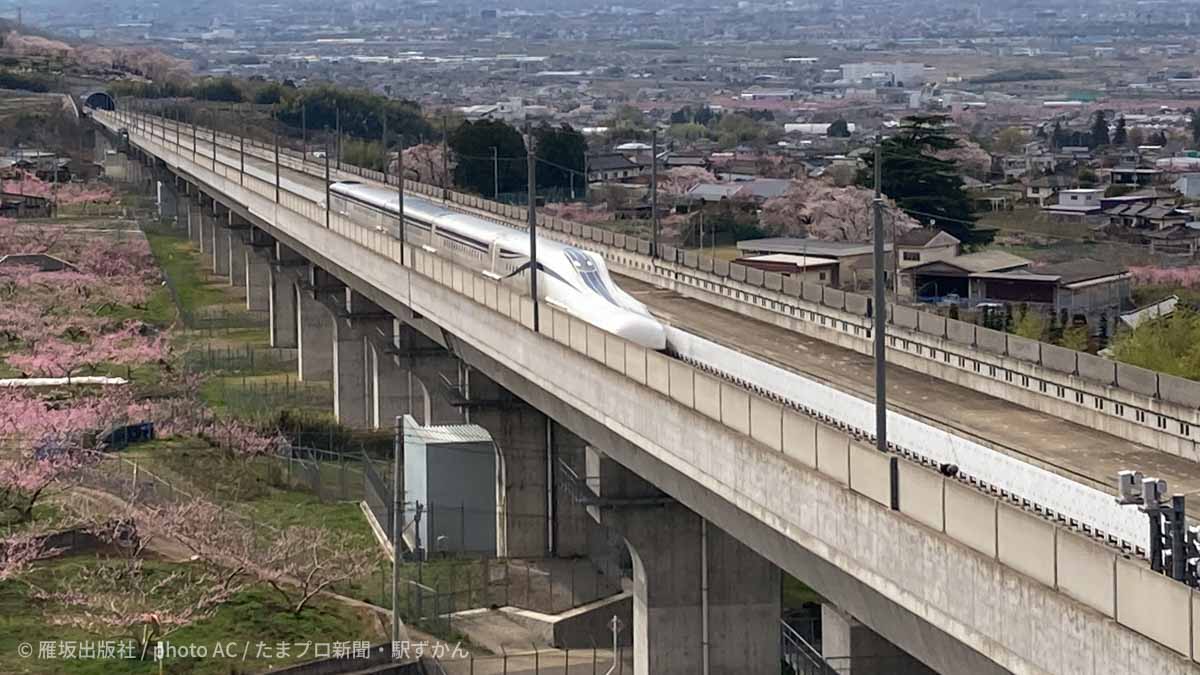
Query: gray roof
<point x="768" y="188"/>
<point x="610" y="162"/>
<point x="921" y="236"/>
<point x="715" y="192"/>
<point x="983" y="261"/>
<point x="1074" y="271"/>
<point x="810" y="247"/>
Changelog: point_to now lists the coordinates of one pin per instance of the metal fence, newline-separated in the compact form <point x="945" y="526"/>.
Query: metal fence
<point x="538" y="661"/>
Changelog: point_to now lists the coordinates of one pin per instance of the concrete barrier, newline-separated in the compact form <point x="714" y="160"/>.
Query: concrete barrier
<point x="1025" y="542"/>
<point x="921" y="495"/>
<point x="705" y="263"/>
<point x="708" y="395"/>
<point x="905" y="316"/>
<point x="595" y="344"/>
<point x="668" y="253"/>
<point x="991" y="340"/>
<point x="792" y="287"/>
<point x="1097" y="369"/>
<point x="800" y="437"/>
<point x="812" y="292"/>
<point x="1060" y="358"/>
<point x="635" y="363"/>
<point x="578" y="333"/>
<point x="608" y="237"/>
<point x="682" y="385"/>
<point x="1154" y="605"/>
<point x="737" y="272"/>
<point x="690" y="259"/>
<point x="643" y="247"/>
<point x="658" y="372"/>
<point x="1178" y="390"/>
<point x="960" y="331"/>
<point x="1137" y="379"/>
<point x="766" y="422"/>
<point x="1085" y="571"/>
<point x="931" y="324"/>
<point x="1024" y="349"/>
<point x="773" y="281"/>
<point x="833" y="453"/>
<point x="585" y="231"/>
<point x="754" y="276"/>
<point x="857" y="304"/>
<point x="631" y="244"/>
<point x="971" y="517"/>
<point x="614" y="352"/>
<point x="833" y="298"/>
<point x="871" y="473"/>
<point x="735" y="408"/>
<point x="721" y="267"/>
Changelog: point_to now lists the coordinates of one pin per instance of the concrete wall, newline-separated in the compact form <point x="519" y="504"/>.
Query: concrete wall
<point x="801" y="518"/>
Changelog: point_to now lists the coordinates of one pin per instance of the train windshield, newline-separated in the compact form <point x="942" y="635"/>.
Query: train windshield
<point x="589" y="272"/>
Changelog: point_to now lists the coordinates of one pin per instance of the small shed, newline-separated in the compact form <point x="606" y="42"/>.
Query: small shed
<point x="451" y="471"/>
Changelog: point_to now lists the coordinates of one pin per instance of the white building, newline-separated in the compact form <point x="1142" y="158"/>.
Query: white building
<point x="898" y="74"/>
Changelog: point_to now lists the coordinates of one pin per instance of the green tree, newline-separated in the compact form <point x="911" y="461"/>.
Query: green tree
<point x="737" y="128"/>
<point x="1099" y="130"/>
<point x="1075" y="337"/>
<point x="687" y="131"/>
<point x="1120" y="137"/>
<point x="472" y="144"/>
<point x="929" y="187"/>
<point x="839" y="129"/>
<point x="1195" y="125"/>
<point x="1030" y="324"/>
<point x="561" y="151"/>
<point x="223" y="89"/>
<point x="1168" y="345"/>
<point x="360" y="113"/>
<point x="1010" y="139"/>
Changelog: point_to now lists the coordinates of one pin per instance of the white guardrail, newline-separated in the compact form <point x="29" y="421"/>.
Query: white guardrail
<point x="1054" y="495"/>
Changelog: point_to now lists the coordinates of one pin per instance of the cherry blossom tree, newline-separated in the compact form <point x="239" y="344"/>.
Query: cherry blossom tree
<point x="817" y="209"/>
<point x="19" y="551"/>
<point x="678" y="181"/>
<point x="425" y="164"/>
<point x="1185" y="277"/>
<point x="61" y="193"/>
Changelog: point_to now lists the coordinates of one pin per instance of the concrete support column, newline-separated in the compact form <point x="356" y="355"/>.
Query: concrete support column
<point x="699" y="595"/>
<point x="314" y="337"/>
<point x="221" y="244"/>
<point x="391" y="387"/>
<point x="258" y="282"/>
<point x="430" y="368"/>
<point x="283" y="310"/>
<point x="570" y="524"/>
<point x="238" y="252"/>
<point x="350" y="369"/>
<point x="853" y="649"/>
<point x="521" y="434"/>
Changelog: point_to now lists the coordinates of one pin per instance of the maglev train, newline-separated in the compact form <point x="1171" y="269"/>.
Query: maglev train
<point x="571" y="279"/>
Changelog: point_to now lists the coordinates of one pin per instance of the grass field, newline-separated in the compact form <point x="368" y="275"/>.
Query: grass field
<point x="253" y="616"/>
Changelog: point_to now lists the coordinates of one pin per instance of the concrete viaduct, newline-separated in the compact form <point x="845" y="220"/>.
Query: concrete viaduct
<point x="715" y="487"/>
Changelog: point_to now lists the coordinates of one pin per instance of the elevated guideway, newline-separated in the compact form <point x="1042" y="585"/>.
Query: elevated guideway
<point x="961" y="579"/>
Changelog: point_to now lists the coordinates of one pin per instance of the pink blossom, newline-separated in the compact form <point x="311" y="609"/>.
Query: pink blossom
<point x="1184" y="277"/>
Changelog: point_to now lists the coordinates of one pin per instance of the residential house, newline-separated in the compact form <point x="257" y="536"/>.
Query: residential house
<point x="1043" y="190"/>
<point x="855" y="260"/>
<point x="13" y="205"/>
<point x="1176" y="240"/>
<point x="1136" y="174"/>
<point x="917" y="247"/>
<point x="1188" y="185"/>
<point x="1144" y="216"/>
<point x="950" y="277"/>
<point x="809" y="269"/>
<point x="1089" y="290"/>
<point x="612" y="167"/>
<point x="1077" y="202"/>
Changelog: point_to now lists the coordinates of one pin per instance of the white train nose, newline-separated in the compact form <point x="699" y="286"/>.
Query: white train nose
<point x="641" y="330"/>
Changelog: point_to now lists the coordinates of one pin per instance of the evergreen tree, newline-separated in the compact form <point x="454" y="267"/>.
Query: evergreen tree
<point x="929" y="188"/>
<point x="839" y="129"/>
<point x="472" y="144"/>
<point x="1120" y="137"/>
<point x="560" y="151"/>
<point x="1099" y="130"/>
<point x="1195" y="124"/>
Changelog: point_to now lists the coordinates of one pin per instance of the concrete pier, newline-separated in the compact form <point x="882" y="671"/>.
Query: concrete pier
<point x="315" y="337"/>
<point x="350" y="380"/>
<point x="854" y="649"/>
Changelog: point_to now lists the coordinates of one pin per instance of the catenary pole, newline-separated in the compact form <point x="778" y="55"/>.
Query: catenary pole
<point x="880" y="306"/>
<point x="531" y="171"/>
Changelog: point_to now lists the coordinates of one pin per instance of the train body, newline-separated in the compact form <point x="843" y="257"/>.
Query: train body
<point x="572" y="279"/>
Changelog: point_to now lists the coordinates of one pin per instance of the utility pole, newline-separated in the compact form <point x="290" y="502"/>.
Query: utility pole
<point x="276" y="165"/>
<point x="445" y="158"/>
<point x="880" y="306"/>
<point x="212" y="116"/>
<point x="531" y="170"/>
<point x="400" y="193"/>
<point x="242" y="147"/>
<point x="495" y="175"/>
<point x="654" y="192"/>
<point x="397" y="523"/>
<point x="194" y="134"/>
<point x="337" y="116"/>
<point x="385" y="147"/>
<point x="328" y="195"/>
<point x="304" y="134"/>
